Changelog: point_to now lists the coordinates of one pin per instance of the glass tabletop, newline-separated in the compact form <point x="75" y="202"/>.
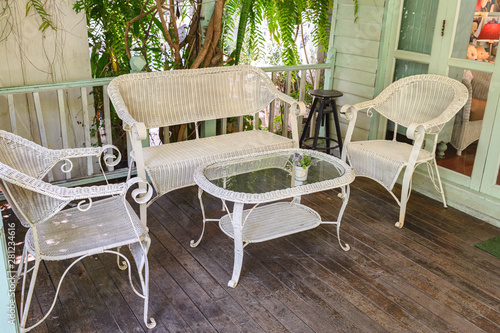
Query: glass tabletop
<point x="260" y="174"/>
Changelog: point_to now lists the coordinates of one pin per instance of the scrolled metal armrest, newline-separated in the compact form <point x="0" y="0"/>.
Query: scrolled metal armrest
<point x="106" y="156"/>
<point x="140" y="195"/>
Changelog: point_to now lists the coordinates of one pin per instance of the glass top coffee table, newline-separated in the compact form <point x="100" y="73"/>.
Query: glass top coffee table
<point x="260" y="179"/>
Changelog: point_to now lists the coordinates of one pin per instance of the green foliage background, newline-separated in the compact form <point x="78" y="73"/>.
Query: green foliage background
<point x="107" y="22"/>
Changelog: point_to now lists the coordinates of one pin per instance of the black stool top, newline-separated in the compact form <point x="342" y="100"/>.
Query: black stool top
<point x="325" y="93"/>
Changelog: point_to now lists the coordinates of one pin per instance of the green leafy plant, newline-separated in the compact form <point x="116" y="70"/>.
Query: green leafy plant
<point x="303" y="161"/>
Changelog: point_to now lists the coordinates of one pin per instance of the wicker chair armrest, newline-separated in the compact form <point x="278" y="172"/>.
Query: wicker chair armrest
<point x="297" y="108"/>
<point x="464" y="113"/>
<point x="414" y="131"/>
<point x="58" y="192"/>
<point x="119" y="104"/>
<point x="365" y="105"/>
<point x="348" y="111"/>
<point x="67" y="154"/>
<point x="139" y="131"/>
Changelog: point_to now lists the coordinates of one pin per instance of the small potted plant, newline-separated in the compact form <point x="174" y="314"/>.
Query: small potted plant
<point x="301" y="164"/>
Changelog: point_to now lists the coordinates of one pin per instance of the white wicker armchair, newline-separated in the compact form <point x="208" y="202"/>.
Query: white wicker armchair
<point x="91" y="227"/>
<point x="469" y="120"/>
<point x="159" y="99"/>
<point x="422" y="104"/>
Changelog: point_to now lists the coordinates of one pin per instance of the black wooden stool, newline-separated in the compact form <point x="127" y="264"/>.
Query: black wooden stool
<point x="326" y="97"/>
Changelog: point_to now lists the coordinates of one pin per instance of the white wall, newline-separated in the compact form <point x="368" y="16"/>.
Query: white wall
<point x="30" y="56"/>
<point x="357" y="47"/>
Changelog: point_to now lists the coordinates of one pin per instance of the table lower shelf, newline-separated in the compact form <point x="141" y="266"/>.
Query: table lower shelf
<point x="273" y="221"/>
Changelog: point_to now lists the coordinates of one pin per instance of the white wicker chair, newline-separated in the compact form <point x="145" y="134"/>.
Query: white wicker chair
<point x="159" y="99"/>
<point x="469" y="121"/>
<point x="422" y="104"/>
<point x="92" y="227"/>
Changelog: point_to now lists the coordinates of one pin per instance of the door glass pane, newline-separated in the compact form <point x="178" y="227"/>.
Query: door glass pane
<point x="418" y="21"/>
<point x="406" y="68"/>
<point x="458" y="140"/>
<point x="478" y="30"/>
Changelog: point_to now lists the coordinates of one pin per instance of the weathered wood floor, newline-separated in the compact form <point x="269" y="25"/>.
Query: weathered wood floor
<point x="425" y="277"/>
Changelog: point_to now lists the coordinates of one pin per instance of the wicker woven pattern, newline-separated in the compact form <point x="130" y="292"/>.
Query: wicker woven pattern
<point x="229" y="180"/>
<point x="205" y="174"/>
<point x="422" y="104"/>
<point x="61" y="236"/>
<point x="383" y="160"/>
<point x="57" y="234"/>
<point x="181" y="96"/>
<point x="159" y="99"/>
<point x="465" y="131"/>
<point x="428" y="100"/>
<point x="33" y="159"/>
<point x="22" y="166"/>
<point x="273" y="221"/>
<point x="172" y="166"/>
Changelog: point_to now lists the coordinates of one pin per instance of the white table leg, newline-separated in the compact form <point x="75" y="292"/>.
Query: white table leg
<point x="344" y="195"/>
<point x="194" y="243"/>
<point x="345" y="198"/>
<point x="237" y="222"/>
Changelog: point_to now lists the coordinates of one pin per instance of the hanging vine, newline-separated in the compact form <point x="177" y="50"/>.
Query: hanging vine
<point x="39" y="8"/>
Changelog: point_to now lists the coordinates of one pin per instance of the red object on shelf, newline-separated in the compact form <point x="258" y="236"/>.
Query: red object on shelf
<point x="489" y="33"/>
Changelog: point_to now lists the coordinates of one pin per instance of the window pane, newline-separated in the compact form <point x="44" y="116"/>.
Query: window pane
<point x="418" y="21"/>
<point x="406" y="68"/>
<point x="478" y="31"/>
<point x="458" y="140"/>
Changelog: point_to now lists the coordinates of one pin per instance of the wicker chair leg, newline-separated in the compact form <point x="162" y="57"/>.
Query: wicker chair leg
<point x="405" y="194"/>
<point x="20" y="266"/>
<point x="441" y="190"/>
<point x="25" y="307"/>
<point x="150" y="322"/>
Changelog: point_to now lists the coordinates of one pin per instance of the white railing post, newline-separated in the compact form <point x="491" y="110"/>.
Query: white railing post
<point x="62" y="119"/>
<point x="107" y="121"/>
<point x="286" y="113"/>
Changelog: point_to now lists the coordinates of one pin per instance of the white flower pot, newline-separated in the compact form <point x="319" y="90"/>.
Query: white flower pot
<point x="300" y="173"/>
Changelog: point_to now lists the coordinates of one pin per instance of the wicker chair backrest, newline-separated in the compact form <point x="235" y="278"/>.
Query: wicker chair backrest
<point x="26" y="198"/>
<point x="25" y="156"/>
<point x="22" y="164"/>
<point x="181" y="96"/>
<point x="420" y="98"/>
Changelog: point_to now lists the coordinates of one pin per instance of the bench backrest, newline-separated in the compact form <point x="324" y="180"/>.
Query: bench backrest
<point x="180" y="96"/>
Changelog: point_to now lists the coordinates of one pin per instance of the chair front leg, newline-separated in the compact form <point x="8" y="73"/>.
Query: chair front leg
<point x="441" y="190"/>
<point x="149" y="321"/>
<point x="405" y="194"/>
<point x="414" y="132"/>
<point x="26" y="308"/>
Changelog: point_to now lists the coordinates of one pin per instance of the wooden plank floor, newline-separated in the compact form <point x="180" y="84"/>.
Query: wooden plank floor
<point x="425" y="277"/>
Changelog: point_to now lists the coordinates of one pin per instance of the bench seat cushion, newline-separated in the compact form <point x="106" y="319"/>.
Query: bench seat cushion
<point x="171" y="166"/>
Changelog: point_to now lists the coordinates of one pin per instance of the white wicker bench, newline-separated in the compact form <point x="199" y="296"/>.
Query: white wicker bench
<point x="159" y="99"/>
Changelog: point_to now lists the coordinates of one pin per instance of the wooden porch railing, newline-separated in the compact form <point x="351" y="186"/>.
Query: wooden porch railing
<point x="90" y="174"/>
